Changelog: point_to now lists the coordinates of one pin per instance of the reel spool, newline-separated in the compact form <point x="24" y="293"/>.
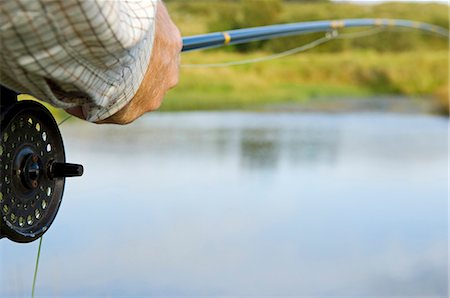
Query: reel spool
<point x="33" y="169"/>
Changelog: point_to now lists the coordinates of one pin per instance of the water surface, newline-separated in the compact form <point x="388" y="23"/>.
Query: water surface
<point x="247" y="204"/>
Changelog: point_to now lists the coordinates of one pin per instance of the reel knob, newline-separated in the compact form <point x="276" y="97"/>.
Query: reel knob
<point x="65" y="170"/>
<point x="33" y="170"/>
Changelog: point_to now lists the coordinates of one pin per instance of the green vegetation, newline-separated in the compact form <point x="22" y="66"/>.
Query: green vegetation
<point x="404" y="63"/>
<point x="306" y="77"/>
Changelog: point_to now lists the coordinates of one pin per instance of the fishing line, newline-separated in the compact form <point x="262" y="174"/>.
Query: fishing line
<point x="36" y="267"/>
<point x="38" y="256"/>
<point x="64" y="120"/>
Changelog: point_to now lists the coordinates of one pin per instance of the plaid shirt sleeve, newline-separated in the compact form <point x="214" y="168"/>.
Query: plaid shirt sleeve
<point x="89" y="53"/>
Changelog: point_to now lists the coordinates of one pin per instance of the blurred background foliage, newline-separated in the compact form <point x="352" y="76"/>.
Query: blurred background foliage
<point x="405" y="63"/>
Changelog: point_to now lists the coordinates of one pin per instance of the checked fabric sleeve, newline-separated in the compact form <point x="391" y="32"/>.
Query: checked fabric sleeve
<point x="88" y="53"/>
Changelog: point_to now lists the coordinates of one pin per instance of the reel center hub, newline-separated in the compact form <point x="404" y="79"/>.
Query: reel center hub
<point x="31" y="171"/>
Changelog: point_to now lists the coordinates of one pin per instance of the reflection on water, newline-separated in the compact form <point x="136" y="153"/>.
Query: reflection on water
<point x="262" y="148"/>
<point x="247" y="204"/>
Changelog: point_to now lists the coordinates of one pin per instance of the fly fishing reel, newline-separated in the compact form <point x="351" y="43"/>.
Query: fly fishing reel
<point x="33" y="168"/>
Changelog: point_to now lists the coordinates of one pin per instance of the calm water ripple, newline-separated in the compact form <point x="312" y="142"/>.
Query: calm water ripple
<point x="247" y="204"/>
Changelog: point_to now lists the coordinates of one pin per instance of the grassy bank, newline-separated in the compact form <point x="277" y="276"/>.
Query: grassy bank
<point x="305" y="77"/>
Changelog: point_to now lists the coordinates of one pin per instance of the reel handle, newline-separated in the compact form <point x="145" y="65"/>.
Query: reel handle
<point x="65" y="170"/>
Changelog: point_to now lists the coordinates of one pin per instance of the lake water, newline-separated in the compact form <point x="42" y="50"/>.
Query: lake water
<point x="247" y="204"/>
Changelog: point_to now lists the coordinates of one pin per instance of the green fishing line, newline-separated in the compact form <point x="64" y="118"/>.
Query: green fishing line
<point x="36" y="268"/>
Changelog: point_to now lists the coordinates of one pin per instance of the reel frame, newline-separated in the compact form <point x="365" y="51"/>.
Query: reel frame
<point x="33" y="169"/>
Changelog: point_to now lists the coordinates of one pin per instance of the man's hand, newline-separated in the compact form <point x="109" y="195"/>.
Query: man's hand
<point x="162" y="73"/>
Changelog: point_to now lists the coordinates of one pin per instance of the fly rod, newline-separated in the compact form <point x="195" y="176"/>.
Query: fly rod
<point x="240" y="36"/>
